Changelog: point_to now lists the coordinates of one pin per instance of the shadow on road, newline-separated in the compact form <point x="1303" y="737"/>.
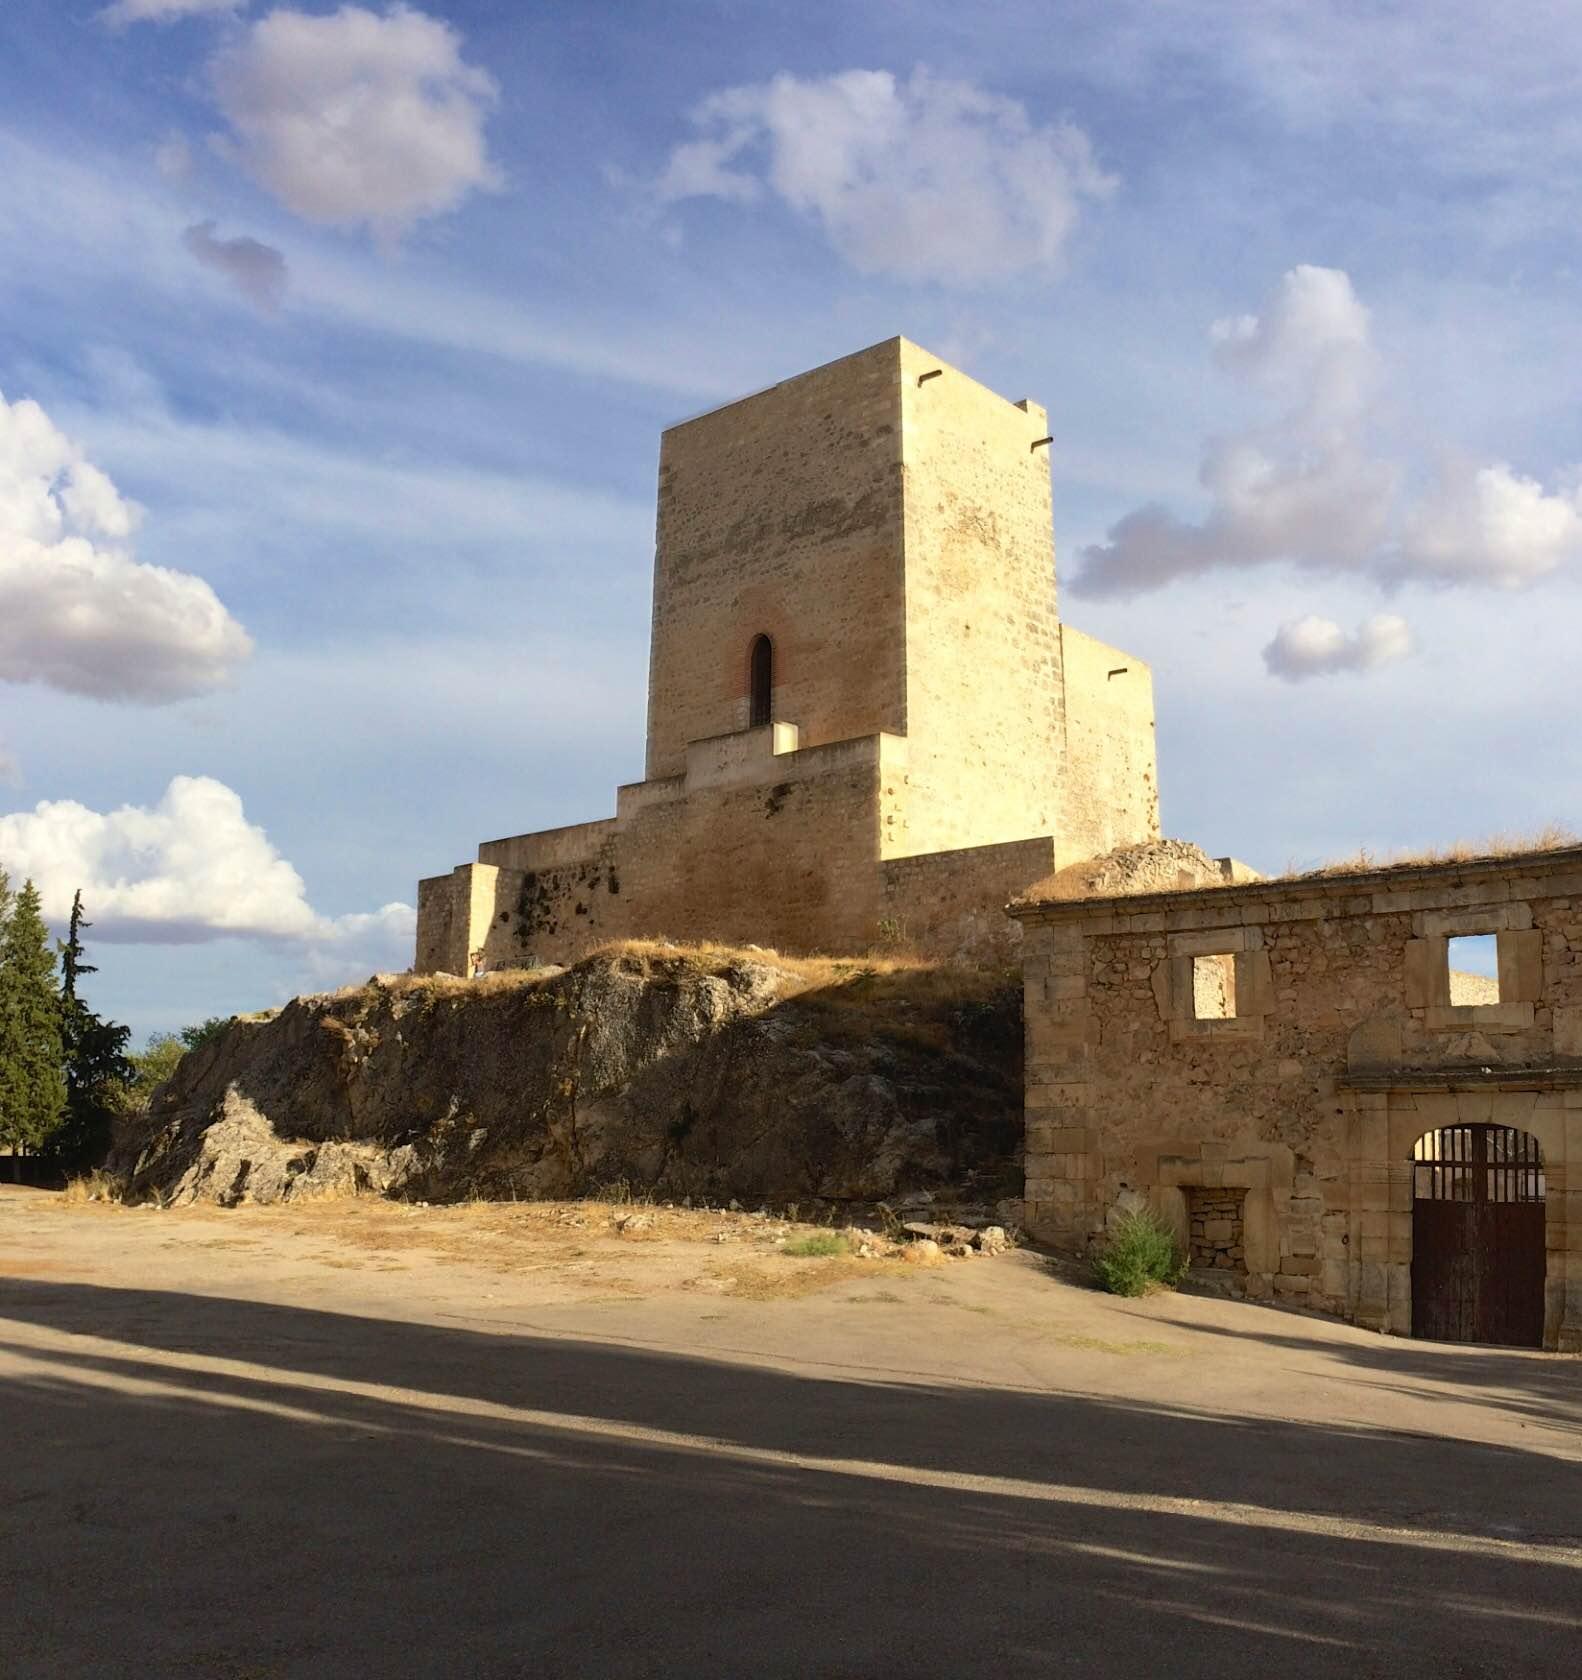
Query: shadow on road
<point x="383" y="1498"/>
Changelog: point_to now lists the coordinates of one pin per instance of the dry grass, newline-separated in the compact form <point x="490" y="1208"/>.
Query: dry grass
<point x="707" y="958"/>
<point x="96" y="1186"/>
<point x="597" y="1250"/>
<point x="1551" y="838"/>
<point x="666" y="958"/>
<point x="792" y="1282"/>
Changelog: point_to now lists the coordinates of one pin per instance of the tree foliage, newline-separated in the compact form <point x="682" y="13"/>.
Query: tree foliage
<point x="200" y="1033"/>
<point x="97" y="1067"/>
<point x="32" y="1052"/>
<point x="151" y="1067"/>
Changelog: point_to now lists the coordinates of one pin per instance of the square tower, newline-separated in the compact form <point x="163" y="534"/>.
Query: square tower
<point x="780" y="516"/>
<point x="873" y="540"/>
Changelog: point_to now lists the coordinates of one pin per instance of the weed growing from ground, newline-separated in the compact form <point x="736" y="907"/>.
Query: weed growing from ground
<point x="1140" y="1255"/>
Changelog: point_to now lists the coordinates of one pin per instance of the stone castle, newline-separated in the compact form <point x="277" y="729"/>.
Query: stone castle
<point x="865" y="717"/>
<point x="866" y="721"/>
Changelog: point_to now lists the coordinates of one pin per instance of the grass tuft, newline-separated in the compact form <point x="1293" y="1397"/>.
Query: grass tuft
<point x="1139" y="1257"/>
<point x="821" y="1245"/>
<point x="96" y="1186"/>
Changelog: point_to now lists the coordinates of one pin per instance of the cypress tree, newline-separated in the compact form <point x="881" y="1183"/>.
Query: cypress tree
<point x="97" y="1069"/>
<point x="32" y="1076"/>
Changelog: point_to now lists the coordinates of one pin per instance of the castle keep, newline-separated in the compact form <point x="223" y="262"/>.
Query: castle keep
<point x="865" y="717"/>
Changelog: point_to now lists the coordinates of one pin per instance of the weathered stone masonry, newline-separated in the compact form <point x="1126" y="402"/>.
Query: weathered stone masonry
<point x="1306" y="1103"/>
<point x="937" y="740"/>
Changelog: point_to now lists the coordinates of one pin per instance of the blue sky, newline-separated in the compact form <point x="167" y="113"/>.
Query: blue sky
<point x="335" y="343"/>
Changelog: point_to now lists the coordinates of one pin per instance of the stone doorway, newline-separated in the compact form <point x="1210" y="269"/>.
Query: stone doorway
<point x="1216" y="1231"/>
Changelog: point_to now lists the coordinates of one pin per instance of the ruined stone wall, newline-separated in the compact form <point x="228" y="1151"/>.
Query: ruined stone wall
<point x="983" y="675"/>
<point x="1109" y="794"/>
<point x="1342" y="1051"/>
<point x="781" y="514"/>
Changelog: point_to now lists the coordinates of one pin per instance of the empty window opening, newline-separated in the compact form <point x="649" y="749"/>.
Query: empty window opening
<point x="1474" y="969"/>
<point x="761" y="683"/>
<point x="1214" y="987"/>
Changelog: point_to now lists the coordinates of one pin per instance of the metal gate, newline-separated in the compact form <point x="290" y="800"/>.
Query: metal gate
<point x="1478" y="1236"/>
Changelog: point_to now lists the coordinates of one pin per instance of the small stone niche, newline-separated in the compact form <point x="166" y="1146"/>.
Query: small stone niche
<point x="1215" y="1230"/>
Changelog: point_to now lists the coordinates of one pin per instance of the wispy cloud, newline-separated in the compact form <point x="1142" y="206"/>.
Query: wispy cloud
<point x="123" y="12"/>
<point x="68" y="222"/>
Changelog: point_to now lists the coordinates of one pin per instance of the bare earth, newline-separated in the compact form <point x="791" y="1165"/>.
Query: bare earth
<point x="363" y="1439"/>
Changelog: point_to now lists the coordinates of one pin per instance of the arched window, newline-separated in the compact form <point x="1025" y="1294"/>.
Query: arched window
<point x="761" y="683"/>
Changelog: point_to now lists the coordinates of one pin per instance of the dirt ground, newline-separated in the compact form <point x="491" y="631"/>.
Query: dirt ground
<point x="358" y="1438"/>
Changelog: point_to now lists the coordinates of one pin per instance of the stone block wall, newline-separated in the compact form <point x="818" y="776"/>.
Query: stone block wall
<point x="951" y="904"/>
<point x="1342" y="1051"/>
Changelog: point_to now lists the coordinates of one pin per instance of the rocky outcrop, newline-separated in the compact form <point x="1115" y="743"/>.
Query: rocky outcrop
<point x="713" y="1074"/>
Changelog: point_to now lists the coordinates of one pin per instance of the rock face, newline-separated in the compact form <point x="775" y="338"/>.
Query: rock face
<point x="707" y="1075"/>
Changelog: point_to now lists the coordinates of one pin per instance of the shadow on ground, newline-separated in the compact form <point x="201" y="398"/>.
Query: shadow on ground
<point x="1545" y="1388"/>
<point x="383" y="1498"/>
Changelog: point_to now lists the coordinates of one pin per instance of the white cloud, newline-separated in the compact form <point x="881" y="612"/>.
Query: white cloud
<point x="10" y="767"/>
<point x="928" y="179"/>
<point x="358" y="117"/>
<point x="1310" y="486"/>
<point x="1490" y="525"/>
<point x="189" y="868"/>
<point x="1317" y="647"/>
<point x="1311" y="345"/>
<point x="77" y="612"/>
<point x="258" y="271"/>
<point x="123" y="12"/>
<point x="1301" y="488"/>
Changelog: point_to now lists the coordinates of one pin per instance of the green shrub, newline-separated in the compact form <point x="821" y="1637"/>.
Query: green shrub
<point x="1140" y="1255"/>
<point x="822" y="1245"/>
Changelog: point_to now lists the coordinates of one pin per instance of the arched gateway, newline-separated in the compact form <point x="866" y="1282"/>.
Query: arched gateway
<point x="1478" y="1236"/>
